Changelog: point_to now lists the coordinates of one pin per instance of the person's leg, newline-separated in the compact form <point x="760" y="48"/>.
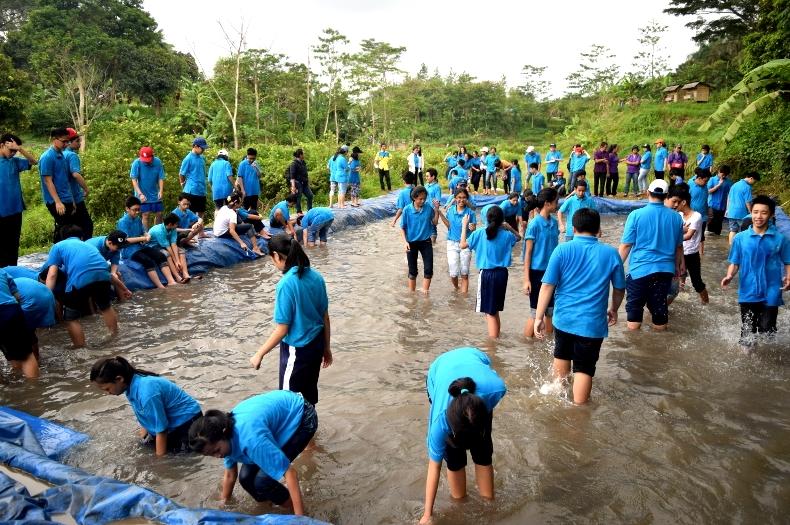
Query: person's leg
<point x="144" y="217"/>
<point x="332" y="190"/>
<point x="28" y="366"/>
<point x="298" y="205"/>
<point x="426" y="251"/>
<point x="381" y="179"/>
<point x="582" y="387"/>
<point x="10" y="233"/>
<point x="84" y="221"/>
<point x="158" y="216"/>
<point x="453" y="262"/>
<point x="494" y="325"/>
<point x="308" y="192"/>
<point x="768" y="320"/>
<point x="411" y="261"/>
<point x="694" y="268"/>
<point x="171" y="264"/>
<point x="635" y="301"/>
<point x="615" y="184"/>
<point x="658" y="291"/>
<point x="182" y="256"/>
<point x="77" y="335"/>
<point x="110" y="317"/>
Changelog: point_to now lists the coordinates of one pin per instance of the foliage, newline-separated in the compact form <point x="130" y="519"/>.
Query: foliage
<point x="14" y="94"/>
<point x="596" y="72"/>
<point x="714" y="18"/>
<point x="770" y="38"/>
<point x="650" y="60"/>
<point x="717" y="63"/>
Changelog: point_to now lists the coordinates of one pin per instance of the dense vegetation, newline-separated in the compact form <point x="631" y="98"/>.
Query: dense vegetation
<point x="104" y="68"/>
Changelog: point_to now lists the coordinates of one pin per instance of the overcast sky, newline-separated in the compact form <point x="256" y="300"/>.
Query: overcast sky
<point x="488" y="39"/>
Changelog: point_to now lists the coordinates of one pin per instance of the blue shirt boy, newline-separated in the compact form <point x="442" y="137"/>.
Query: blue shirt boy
<point x="11" y="201"/>
<point x="341" y="169"/>
<point x="545" y="236"/>
<point x="148" y="175"/>
<point x="578" y="161"/>
<point x="301" y="303"/>
<point x="283" y="207"/>
<point x="509" y="209"/>
<point x="53" y="164"/>
<point x="495" y="253"/>
<point x="249" y="173"/>
<point x="570" y="206"/>
<point x="132" y="228"/>
<point x="317" y="216"/>
<point x="452" y="365"/>
<point x="74" y="166"/>
<point x="160" y="405"/>
<point x="699" y="199"/>
<point x="193" y="169"/>
<point x="161" y="237"/>
<point x="740" y="195"/>
<point x="186" y="218"/>
<point x="761" y="259"/>
<point x="718" y="199"/>
<point x="82" y="263"/>
<point x="37" y="302"/>
<point x="7" y="289"/>
<point x="654" y="233"/>
<point x="418" y="225"/>
<point x="552" y="161"/>
<point x="580" y="296"/>
<point x="434" y="191"/>
<point x="404" y="197"/>
<point x="218" y="174"/>
<point x="114" y="257"/>
<point x="533" y="157"/>
<point x="491" y="162"/>
<point x="704" y="160"/>
<point x="537" y="182"/>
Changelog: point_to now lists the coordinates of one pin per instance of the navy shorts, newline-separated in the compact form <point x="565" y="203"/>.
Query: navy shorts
<point x="536" y="280"/>
<point x="77" y="302"/>
<point x="491" y="290"/>
<point x="651" y="291"/>
<point x="482" y="450"/>
<point x="152" y="207"/>
<point x="16" y="339"/>
<point x="583" y="352"/>
<point x="300" y="366"/>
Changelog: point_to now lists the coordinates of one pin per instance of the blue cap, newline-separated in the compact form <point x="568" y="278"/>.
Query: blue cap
<point x="200" y="142"/>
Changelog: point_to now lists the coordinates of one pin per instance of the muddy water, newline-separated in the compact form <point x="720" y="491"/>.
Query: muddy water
<point x="682" y="429"/>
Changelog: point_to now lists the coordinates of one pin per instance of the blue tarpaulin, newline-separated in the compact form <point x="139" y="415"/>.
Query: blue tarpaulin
<point x="37" y="435"/>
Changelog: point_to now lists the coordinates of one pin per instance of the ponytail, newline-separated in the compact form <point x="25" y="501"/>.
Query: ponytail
<point x="209" y="428"/>
<point x="495" y="217"/>
<point x="467" y="413"/>
<point x="289" y="249"/>
<point x="105" y="370"/>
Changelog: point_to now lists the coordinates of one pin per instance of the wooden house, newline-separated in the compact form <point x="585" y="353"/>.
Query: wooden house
<point x="671" y="93"/>
<point x="696" y="92"/>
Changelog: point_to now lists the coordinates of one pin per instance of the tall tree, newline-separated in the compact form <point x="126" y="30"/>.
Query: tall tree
<point x="714" y="18"/>
<point x="596" y="72"/>
<point x="236" y="45"/>
<point x="15" y="91"/>
<point x="331" y="54"/>
<point x="650" y="60"/>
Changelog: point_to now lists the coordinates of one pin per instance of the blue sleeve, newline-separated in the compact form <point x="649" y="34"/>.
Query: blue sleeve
<point x="437" y="440"/>
<point x="553" y="270"/>
<point x="184" y="165"/>
<point x="511" y="238"/>
<point x="156" y="408"/>
<point x="785" y="250"/>
<point x="162" y="175"/>
<point x="284" y="305"/>
<point x="228" y="463"/>
<point x="565" y="205"/>
<point x="629" y="231"/>
<point x="115" y="258"/>
<point x="530" y="233"/>
<point x="45" y="166"/>
<point x="54" y="258"/>
<point x="474" y="240"/>
<point x="134" y="171"/>
<point x="618" y="276"/>
<point x="735" y="251"/>
<point x="12" y="288"/>
<point x="75" y="166"/>
<point x="268" y="456"/>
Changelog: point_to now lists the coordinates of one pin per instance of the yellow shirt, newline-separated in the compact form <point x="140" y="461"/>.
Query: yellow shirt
<point x="383" y="161"/>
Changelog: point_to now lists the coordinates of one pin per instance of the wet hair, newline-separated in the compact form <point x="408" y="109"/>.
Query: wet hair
<point x="172" y="218"/>
<point x="132" y="201"/>
<point x="182" y="196"/>
<point x="408" y="177"/>
<point x="495" y="217"/>
<point x="298" y="152"/>
<point x="417" y="191"/>
<point x="512" y="195"/>
<point x="701" y="173"/>
<point x="467" y="413"/>
<point x="211" y="427"/>
<point x="767" y="201"/>
<point x="546" y="195"/>
<point x="533" y="165"/>
<point x="70" y="230"/>
<point x="5" y="137"/>
<point x="57" y="133"/>
<point x="106" y="369"/>
<point x="289" y="249"/>
<point x="432" y="171"/>
<point x="587" y="220"/>
<point x="252" y="151"/>
<point x="724" y="168"/>
<point x="580" y="183"/>
<point x="461" y="190"/>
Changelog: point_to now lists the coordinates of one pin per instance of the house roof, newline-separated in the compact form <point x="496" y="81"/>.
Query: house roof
<point x="692" y="85"/>
<point x="670" y="89"/>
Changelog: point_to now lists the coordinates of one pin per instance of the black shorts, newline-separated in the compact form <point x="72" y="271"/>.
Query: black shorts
<point x="197" y="203"/>
<point x="149" y="258"/>
<point x="77" y="302"/>
<point x="482" y="450"/>
<point x="250" y="203"/>
<point x="582" y="351"/>
<point x="300" y="367"/>
<point x="659" y="174"/>
<point x="536" y="280"/>
<point x="16" y="339"/>
<point x="651" y="291"/>
<point x="177" y="439"/>
<point x="491" y="290"/>
<point x="512" y="221"/>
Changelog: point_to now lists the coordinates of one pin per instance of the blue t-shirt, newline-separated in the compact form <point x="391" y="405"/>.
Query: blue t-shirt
<point x="249" y="173"/>
<point x="455" y="182"/>
<point x="353" y="171"/>
<point x="740" y="195"/>
<point x="37" y="301"/>
<point x="718" y="199"/>
<point x="699" y="198"/>
<point x="81" y="262"/>
<point x="132" y="228"/>
<point x="186" y="218"/>
<point x="761" y="259"/>
<point x="456" y="221"/>
<point x="301" y="302"/>
<point x="53" y="164"/>
<point x="114" y="257"/>
<point x="578" y="162"/>
<point x="404" y="197"/>
<point x="644" y="162"/>
<point x="262" y="425"/>
<point x="341" y="169"/>
<point x="491" y="162"/>
<point x="452" y="365"/>
<point x="571" y="205"/>
<point x="495" y="253"/>
<point x="509" y="209"/>
<point x="7" y="289"/>
<point x="159" y="404"/>
<point x="552" y="161"/>
<point x="537" y="183"/>
<point x="21" y="271"/>
<point x="283" y="207"/>
<point x="704" y="160"/>
<point x="515" y="177"/>
<point x="545" y="236"/>
<point x="11" y="201"/>
<point x="161" y="237"/>
<point x="193" y="169"/>
<point x="654" y="233"/>
<point x="660" y="159"/>
<point x="75" y="166"/>
<point x="529" y="158"/>
<point x="148" y="175"/>
<point x="581" y="295"/>
<point x="218" y="174"/>
<point x="330" y="164"/>
<point x="418" y="225"/>
<point x="316" y="216"/>
<point x="452" y="161"/>
<point x="434" y="192"/>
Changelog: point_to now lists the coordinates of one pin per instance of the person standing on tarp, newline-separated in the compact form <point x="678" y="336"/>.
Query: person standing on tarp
<point x="11" y="203"/>
<point x="297" y="174"/>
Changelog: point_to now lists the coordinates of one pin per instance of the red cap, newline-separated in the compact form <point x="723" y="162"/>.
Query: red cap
<point x="147" y="154"/>
<point x="72" y="133"/>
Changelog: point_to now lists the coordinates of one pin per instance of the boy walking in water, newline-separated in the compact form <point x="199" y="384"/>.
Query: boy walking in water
<point x="581" y="316"/>
<point x="543" y="235"/>
<point x="762" y="256"/>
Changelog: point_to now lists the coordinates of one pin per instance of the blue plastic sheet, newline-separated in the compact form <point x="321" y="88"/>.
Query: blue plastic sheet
<point x="18" y="506"/>
<point x="37" y="435"/>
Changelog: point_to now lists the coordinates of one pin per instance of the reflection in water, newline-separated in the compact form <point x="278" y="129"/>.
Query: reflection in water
<point x="682" y="427"/>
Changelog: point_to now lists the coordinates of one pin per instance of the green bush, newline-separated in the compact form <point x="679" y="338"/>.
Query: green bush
<point x="37" y="229"/>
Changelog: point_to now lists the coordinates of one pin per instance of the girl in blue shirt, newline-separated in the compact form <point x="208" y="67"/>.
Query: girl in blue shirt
<point x="354" y="180"/>
<point x="457" y="259"/>
<point x="492" y="247"/>
<point x="164" y="411"/>
<point x="220" y="175"/>
<point x="515" y="176"/>
<point x="301" y="317"/>
<point x="542" y="236"/>
<point x="17" y="339"/>
<point x="417" y="223"/>
<point x="264" y="433"/>
<point x="434" y="190"/>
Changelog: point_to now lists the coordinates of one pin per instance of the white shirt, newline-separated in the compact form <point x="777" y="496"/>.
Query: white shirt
<point x="222" y="220"/>
<point x="694" y="222"/>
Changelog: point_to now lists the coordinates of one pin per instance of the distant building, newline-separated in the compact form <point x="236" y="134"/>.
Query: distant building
<point x="671" y="93"/>
<point x="696" y="91"/>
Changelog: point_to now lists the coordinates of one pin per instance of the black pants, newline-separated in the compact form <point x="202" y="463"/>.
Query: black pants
<point x="251" y="203"/>
<point x="84" y="220"/>
<point x="10" y="231"/>
<point x="717" y="218"/>
<point x="385" y="175"/>
<point x="757" y="318"/>
<point x="303" y="188"/>
<point x="476" y="179"/>
<point x="419" y="178"/>
<point x="424" y="248"/>
<point x="612" y="181"/>
<point x="506" y="185"/>
<point x="600" y="182"/>
<point x="61" y="220"/>
<point x="694" y="269"/>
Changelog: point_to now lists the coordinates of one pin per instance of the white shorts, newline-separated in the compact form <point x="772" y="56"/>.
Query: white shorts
<point x="457" y="259"/>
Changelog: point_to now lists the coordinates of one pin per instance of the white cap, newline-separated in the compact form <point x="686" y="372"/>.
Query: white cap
<point x="484" y="149"/>
<point x="658" y="187"/>
<point x="222" y="152"/>
<point x="530" y="149"/>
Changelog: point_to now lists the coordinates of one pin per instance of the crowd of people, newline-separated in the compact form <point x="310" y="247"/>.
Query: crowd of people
<point x="575" y="288"/>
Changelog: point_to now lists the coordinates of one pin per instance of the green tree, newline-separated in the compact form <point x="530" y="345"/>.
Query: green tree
<point x="714" y="18"/>
<point x="650" y="61"/>
<point x="331" y="54"/>
<point x="596" y="72"/>
<point x="770" y="38"/>
<point x="15" y="89"/>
